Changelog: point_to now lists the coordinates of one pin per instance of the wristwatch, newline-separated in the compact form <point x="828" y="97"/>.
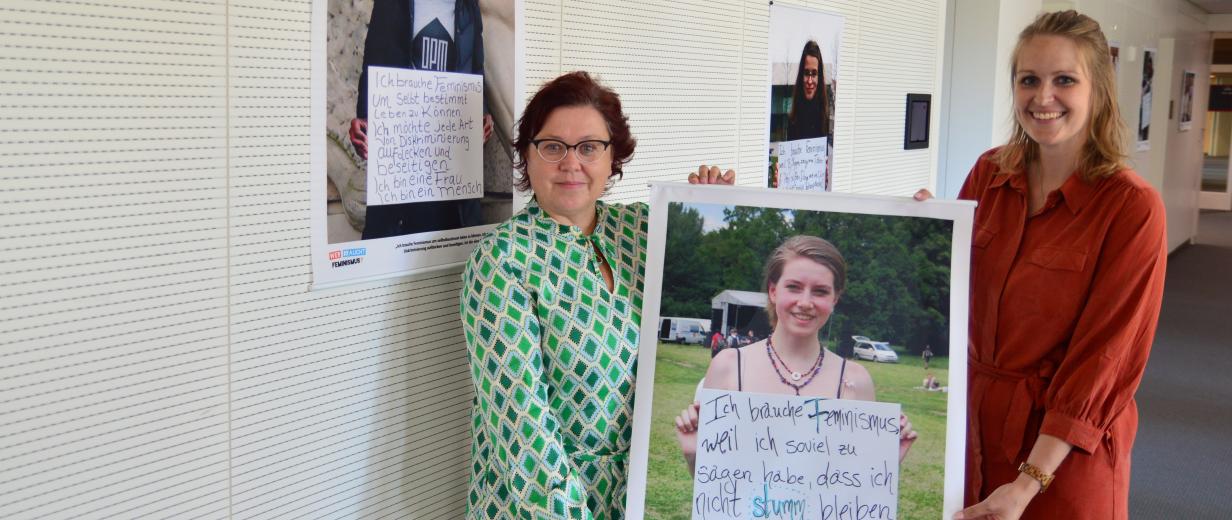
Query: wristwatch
<point x="1043" y="478"/>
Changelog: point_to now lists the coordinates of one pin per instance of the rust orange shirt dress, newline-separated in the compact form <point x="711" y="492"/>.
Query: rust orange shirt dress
<point x="1063" y="311"/>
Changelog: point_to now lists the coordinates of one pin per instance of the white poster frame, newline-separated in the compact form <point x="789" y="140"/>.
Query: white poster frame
<point x="960" y="213"/>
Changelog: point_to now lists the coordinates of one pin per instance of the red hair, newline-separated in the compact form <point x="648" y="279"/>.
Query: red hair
<point x="572" y="90"/>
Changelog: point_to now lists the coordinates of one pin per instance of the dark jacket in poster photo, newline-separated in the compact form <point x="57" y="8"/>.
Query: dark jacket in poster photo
<point x="390" y="44"/>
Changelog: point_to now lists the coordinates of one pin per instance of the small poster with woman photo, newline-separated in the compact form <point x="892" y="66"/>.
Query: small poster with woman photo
<point x="1187" y="100"/>
<point x="804" y="47"/>
<point x="829" y="409"/>
<point x="1144" y="107"/>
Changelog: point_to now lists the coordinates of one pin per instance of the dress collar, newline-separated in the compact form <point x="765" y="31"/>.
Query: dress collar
<point x="1075" y="191"/>
<point x="543" y="220"/>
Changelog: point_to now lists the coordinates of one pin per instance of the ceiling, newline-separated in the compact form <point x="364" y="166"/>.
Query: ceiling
<point x="1214" y="6"/>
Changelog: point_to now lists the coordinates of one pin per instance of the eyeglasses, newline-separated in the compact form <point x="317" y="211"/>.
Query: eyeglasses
<point x="555" y="150"/>
<point x="810" y="73"/>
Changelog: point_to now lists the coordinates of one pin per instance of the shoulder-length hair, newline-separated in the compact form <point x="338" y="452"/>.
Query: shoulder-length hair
<point x="1104" y="151"/>
<point x="572" y="90"/>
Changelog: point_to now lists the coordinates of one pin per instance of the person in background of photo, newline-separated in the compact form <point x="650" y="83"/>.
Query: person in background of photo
<point x="927" y="355"/>
<point x="733" y="337"/>
<point x="552" y="346"/>
<point x="805" y="277"/>
<point x="434" y="35"/>
<point x="1067" y="274"/>
<point x="810" y="108"/>
<point x="717" y="342"/>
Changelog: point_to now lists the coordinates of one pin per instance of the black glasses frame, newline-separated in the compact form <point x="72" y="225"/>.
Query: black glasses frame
<point x="568" y="148"/>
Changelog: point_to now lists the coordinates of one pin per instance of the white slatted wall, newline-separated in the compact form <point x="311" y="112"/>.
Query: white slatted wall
<point x="114" y="276"/>
<point x="159" y="353"/>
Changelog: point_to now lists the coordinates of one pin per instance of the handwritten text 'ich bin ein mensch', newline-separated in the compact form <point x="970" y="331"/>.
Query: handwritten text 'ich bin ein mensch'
<point x="425" y="136"/>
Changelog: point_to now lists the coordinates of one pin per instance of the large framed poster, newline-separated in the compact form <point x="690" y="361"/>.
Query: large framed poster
<point x="412" y="130"/>
<point x="832" y="377"/>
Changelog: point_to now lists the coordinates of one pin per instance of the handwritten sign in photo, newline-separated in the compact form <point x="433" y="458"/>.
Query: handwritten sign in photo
<point x="425" y="136"/>
<point x="802" y="164"/>
<point x="790" y="457"/>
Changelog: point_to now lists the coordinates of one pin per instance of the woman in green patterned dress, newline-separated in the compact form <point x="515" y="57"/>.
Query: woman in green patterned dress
<point x="551" y="305"/>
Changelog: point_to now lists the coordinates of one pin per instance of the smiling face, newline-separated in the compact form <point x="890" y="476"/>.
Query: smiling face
<point x="1052" y="93"/>
<point x="803" y="297"/>
<point x="812" y="73"/>
<point x="567" y="190"/>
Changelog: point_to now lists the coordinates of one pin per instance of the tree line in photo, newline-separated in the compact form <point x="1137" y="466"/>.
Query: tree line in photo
<point x="898" y="287"/>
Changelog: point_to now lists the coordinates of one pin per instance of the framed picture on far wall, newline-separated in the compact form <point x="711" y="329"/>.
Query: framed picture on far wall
<point x="1144" y="106"/>
<point x="1187" y="100"/>
<point x="829" y="375"/>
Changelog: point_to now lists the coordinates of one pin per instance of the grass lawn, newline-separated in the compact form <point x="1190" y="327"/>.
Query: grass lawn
<point x="678" y="369"/>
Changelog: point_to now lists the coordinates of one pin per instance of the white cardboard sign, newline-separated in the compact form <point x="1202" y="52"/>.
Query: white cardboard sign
<point x="792" y="457"/>
<point x="425" y="136"/>
<point x="802" y="164"/>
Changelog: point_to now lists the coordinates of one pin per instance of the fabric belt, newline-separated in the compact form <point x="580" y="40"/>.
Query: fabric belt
<point x="1027" y="397"/>
<point x="620" y="456"/>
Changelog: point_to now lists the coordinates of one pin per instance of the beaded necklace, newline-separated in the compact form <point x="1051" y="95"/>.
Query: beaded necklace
<point x="795" y="376"/>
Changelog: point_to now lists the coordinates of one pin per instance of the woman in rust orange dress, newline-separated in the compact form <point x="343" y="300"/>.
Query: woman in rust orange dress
<point x="1066" y="282"/>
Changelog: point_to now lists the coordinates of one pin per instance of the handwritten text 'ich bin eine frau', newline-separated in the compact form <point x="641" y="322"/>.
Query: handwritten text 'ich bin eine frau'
<point x="425" y="133"/>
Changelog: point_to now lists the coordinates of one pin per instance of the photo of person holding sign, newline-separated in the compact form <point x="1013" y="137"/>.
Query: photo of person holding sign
<point x="434" y="35"/>
<point x="805" y="278"/>
<point x="804" y="58"/>
<point x="784" y="422"/>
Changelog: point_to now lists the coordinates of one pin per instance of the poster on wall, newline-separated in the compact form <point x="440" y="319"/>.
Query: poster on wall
<point x="744" y="422"/>
<point x="1187" y="100"/>
<point x="1144" y="108"/>
<point x="804" y="59"/>
<point x="412" y="122"/>
<point x="1114" y="51"/>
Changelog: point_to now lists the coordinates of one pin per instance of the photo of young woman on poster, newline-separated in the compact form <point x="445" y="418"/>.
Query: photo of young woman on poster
<point x="810" y="110"/>
<point x="840" y="295"/>
<point x="803" y="77"/>
<point x="804" y="278"/>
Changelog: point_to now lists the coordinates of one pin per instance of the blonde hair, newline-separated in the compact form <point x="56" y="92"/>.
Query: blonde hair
<point x="805" y="246"/>
<point x="1104" y="151"/>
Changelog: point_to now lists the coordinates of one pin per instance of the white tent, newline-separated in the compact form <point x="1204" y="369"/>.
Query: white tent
<point x="726" y="305"/>
<point x="749" y="298"/>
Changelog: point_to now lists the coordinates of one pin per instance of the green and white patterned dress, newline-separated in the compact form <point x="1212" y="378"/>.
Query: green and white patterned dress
<point x="553" y="354"/>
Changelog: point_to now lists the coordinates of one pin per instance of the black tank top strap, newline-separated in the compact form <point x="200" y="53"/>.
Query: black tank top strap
<point x="739" y="376"/>
<point x="842" y="369"/>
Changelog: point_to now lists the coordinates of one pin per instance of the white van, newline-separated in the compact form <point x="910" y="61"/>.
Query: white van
<point x="684" y="330"/>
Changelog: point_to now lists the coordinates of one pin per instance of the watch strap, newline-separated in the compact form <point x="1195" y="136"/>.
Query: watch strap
<point x="1044" y="479"/>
